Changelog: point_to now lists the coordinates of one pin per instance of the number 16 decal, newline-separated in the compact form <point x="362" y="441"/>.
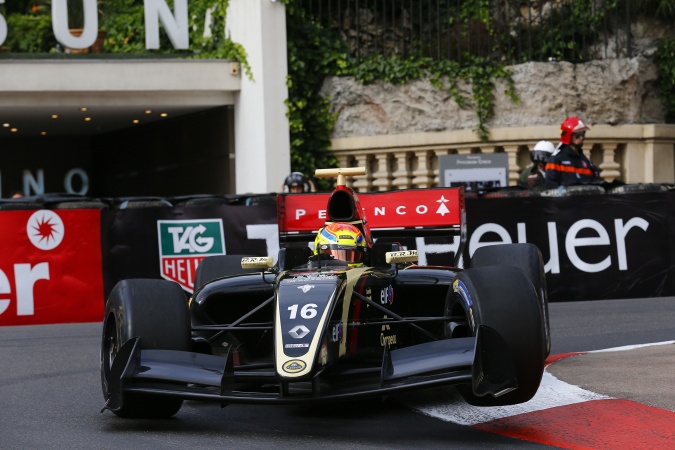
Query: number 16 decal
<point x="308" y="311"/>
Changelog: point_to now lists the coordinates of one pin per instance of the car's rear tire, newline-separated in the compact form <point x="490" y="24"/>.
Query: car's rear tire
<point x="503" y="299"/>
<point x="218" y="266"/>
<point x="527" y="258"/>
<point x="157" y="312"/>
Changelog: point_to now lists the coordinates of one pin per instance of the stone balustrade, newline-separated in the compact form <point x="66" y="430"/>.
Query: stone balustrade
<point x="629" y="153"/>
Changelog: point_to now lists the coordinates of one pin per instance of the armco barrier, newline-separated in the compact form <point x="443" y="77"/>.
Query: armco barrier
<point x="60" y="259"/>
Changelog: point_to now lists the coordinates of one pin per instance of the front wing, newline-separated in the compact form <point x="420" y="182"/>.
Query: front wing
<point x="202" y="377"/>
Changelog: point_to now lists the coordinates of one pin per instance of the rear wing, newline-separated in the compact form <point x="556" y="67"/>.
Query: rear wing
<point x="403" y="213"/>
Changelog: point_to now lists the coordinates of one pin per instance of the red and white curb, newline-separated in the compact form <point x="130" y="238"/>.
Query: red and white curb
<point x="562" y="415"/>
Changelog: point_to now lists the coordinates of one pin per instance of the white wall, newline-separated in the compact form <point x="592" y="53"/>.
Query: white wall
<point x="262" y="138"/>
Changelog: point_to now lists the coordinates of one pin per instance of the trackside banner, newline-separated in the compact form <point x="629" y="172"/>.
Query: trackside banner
<point x="594" y="246"/>
<point x="50" y="271"/>
<point x="413" y="208"/>
<point x="169" y="243"/>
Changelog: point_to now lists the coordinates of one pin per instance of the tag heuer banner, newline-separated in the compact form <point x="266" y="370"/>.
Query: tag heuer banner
<point x="169" y="243"/>
<point x="184" y="243"/>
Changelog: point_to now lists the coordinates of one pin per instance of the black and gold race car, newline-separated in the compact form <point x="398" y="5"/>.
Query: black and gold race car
<point x="304" y="326"/>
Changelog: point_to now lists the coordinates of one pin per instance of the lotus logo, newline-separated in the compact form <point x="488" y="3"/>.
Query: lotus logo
<point x="294" y="366"/>
<point x="306" y="288"/>
<point x="299" y="332"/>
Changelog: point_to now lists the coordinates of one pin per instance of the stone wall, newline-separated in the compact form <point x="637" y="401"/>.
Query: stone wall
<point x="608" y="92"/>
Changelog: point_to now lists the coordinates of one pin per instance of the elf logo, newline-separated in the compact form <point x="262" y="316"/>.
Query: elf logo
<point x="184" y="243"/>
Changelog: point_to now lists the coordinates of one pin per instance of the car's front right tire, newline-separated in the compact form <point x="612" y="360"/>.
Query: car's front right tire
<point x="156" y="311"/>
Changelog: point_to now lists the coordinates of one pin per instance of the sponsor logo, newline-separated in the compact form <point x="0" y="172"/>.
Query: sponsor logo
<point x="336" y="332"/>
<point x="296" y="345"/>
<point x="387" y="296"/>
<point x="306" y="278"/>
<point x="183" y="244"/>
<point x="389" y="341"/>
<point x="612" y="241"/>
<point x="306" y="288"/>
<point x="294" y="366"/>
<point x="45" y="229"/>
<point x="299" y="331"/>
<point x="255" y="260"/>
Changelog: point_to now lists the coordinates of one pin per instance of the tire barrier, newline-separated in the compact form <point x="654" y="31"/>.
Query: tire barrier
<point x="201" y="200"/>
<point x="640" y="187"/>
<point x="141" y="202"/>
<point x="512" y="193"/>
<point x="581" y="189"/>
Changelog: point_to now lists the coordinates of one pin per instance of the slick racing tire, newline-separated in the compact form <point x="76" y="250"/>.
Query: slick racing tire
<point x="157" y="312"/>
<point x="527" y="258"/>
<point x="503" y="299"/>
<point x="219" y="266"/>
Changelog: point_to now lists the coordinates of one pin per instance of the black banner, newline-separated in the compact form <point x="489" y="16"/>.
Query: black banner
<point x="130" y="238"/>
<point x="594" y="246"/>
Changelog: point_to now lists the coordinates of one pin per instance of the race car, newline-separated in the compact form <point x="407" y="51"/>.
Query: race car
<point x="345" y="311"/>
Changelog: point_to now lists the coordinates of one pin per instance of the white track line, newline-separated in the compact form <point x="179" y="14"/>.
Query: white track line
<point x="448" y="405"/>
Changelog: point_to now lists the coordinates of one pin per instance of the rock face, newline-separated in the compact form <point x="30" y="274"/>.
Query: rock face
<point x="612" y="91"/>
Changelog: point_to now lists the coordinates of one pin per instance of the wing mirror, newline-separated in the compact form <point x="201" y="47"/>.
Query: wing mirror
<point x="401" y="257"/>
<point x="257" y="262"/>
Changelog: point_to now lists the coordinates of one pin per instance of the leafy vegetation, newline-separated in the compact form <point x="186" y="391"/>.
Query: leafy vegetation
<point x="665" y="60"/>
<point x="29" y="33"/>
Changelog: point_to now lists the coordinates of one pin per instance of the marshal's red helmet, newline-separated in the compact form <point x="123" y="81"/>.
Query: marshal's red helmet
<point x="570" y="126"/>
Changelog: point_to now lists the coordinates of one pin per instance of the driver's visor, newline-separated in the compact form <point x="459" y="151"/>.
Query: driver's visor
<point x="349" y="253"/>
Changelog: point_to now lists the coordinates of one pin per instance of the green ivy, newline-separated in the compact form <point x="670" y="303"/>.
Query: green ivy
<point x="313" y="55"/>
<point x="123" y="21"/>
<point x="444" y="75"/>
<point x="665" y="61"/>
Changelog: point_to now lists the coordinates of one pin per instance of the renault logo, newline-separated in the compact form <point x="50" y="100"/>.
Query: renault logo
<point x="299" y="332"/>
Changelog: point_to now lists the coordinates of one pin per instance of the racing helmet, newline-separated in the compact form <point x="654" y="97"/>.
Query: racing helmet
<point x="541" y="151"/>
<point x="296" y="179"/>
<point x="570" y="126"/>
<point x="343" y="241"/>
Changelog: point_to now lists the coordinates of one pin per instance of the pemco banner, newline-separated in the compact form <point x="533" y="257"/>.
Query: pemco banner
<point x="440" y="207"/>
<point x="50" y="271"/>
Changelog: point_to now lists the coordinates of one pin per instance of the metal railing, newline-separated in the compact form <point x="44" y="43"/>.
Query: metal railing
<point x="509" y="31"/>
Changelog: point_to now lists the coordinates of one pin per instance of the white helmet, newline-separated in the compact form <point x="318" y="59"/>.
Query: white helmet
<point x="541" y="151"/>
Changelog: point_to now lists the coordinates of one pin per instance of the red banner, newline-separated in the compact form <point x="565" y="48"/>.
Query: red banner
<point x="413" y="208"/>
<point x="50" y="271"/>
